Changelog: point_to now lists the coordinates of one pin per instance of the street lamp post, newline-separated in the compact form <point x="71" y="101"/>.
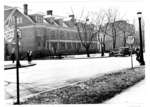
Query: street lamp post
<point x="142" y="62"/>
<point x="17" y="61"/>
<point x="101" y="40"/>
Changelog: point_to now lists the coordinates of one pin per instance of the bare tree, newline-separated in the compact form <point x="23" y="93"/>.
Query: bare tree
<point x="86" y="33"/>
<point x="112" y="16"/>
<point x="123" y="28"/>
<point x="127" y="30"/>
<point x="102" y="23"/>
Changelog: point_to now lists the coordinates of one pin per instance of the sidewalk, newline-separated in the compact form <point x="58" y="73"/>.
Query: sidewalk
<point x="133" y="95"/>
<point x="13" y="66"/>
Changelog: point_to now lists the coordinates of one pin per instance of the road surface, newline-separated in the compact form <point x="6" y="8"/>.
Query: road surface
<point x="50" y="74"/>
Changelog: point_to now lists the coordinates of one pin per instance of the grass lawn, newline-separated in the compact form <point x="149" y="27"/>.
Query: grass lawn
<point x="92" y="91"/>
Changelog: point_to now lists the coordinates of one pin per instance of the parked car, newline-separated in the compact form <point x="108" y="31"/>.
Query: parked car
<point x="123" y="51"/>
<point x="114" y="52"/>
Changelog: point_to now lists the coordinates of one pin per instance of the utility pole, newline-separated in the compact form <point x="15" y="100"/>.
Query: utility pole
<point x="17" y="60"/>
<point x="142" y="62"/>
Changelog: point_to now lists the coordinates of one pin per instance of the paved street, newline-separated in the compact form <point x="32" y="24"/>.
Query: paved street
<point x="49" y="74"/>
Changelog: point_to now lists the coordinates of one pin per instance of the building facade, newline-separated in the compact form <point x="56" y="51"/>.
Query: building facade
<point x="39" y="32"/>
<point x="55" y="35"/>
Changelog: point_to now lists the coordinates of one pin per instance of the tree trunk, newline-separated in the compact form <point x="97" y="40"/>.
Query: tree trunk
<point x="114" y="43"/>
<point x="102" y="53"/>
<point x="88" y="55"/>
<point x="87" y="52"/>
<point x="104" y="43"/>
<point x="124" y="40"/>
<point x="102" y="48"/>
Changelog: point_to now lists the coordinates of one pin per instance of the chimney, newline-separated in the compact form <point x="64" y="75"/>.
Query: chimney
<point x="50" y="12"/>
<point x="25" y="9"/>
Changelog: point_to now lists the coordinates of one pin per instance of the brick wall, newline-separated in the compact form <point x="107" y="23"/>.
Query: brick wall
<point x="28" y="39"/>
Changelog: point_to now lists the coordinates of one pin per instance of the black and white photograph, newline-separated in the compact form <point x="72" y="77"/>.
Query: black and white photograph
<point x="74" y="52"/>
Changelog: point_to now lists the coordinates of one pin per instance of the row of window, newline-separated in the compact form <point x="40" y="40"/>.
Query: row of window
<point x="39" y="19"/>
<point x="59" y="34"/>
<point x="18" y="19"/>
<point x="67" y="45"/>
<point x="70" y="35"/>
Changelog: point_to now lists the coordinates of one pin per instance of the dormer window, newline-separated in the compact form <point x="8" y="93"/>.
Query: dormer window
<point x="39" y="19"/>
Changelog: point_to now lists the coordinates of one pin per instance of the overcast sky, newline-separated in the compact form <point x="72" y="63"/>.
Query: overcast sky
<point x="127" y="8"/>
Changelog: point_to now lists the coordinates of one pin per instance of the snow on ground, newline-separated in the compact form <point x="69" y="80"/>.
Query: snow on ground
<point x="49" y="74"/>
<point x="85" y="56"/>
<point x="133" y="95"/>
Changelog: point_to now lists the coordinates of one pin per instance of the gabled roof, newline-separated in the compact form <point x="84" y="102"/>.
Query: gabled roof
<point x="54" y="20"/>
<point x="9" y="11"/>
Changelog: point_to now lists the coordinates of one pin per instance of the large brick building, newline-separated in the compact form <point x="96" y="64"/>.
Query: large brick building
<point x="49" y="32"/>
<point x="39" y="32"/>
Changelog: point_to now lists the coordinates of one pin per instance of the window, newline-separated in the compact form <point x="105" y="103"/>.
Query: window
<point x="62" y="34"/>
<point x="39" y="19"/>
<point x="69" y="45"/>
<point x="47" y="45"/>
<point x="53" y="34"/>
<point x="78" y="45"/>
<point x="19" y="20"/>
<point x="54" y="45"/>
<point x="74" y="45"/>
<point x="62" y="45"/>
<point x="68" y="35"/>
<point x="57" y="45"/>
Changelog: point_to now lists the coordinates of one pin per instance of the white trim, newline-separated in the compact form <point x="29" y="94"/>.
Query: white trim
<point x="69" y="41"/>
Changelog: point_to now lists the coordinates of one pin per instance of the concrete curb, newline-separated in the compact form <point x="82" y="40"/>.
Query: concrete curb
<point x="14" y="66"/>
